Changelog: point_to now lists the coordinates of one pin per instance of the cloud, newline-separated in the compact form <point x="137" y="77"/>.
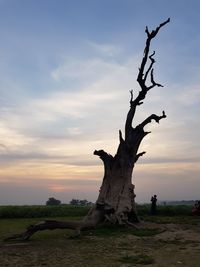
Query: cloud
<point x="3" y="147"/>
<point x="109" y="50"/>
<point x="10" y="137"/>
<point x="29" y="123"/>
<point x="76" y="119"/>
<point x="53" y="135"/>
<point x="190" y="96"/>
<point x="169" y="180"/>
<point x="69" y="104"/>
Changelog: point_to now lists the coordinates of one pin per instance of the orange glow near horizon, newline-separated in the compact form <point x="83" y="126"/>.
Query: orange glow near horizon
<point x="60" y="188"/>
<point x="43" y="170"/>
<point x="51" y="171"/>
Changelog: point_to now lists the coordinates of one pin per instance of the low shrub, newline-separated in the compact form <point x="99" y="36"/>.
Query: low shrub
<point x="74" y="211"/>
<point x="42" y="211"/>
<point x="168" y="210"/>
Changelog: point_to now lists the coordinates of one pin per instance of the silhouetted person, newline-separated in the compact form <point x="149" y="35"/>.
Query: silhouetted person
<point x="196" y="208"/>
<point x="153" y="205"/>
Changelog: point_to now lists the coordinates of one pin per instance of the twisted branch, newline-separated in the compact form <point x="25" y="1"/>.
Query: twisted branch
<point x="150" y="118"/>
<point x="139" y="155"/>
<point x="142" y="78"/>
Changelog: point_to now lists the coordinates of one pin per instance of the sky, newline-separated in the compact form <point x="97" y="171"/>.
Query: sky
<point x="66" y="68"/>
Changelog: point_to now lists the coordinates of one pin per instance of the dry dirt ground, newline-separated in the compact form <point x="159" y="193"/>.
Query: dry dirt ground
<point x="167" y="244"/>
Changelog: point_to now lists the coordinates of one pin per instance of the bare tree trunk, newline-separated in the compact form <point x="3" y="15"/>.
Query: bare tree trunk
<point x="116" y="200"/>
<point x="117" y="197"/>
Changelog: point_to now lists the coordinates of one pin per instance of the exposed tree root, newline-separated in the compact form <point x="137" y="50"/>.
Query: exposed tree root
<point x="93" y="219"/>
<point x="44" y="225"/>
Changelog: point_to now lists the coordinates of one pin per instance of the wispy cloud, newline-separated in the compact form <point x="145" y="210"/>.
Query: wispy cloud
<point x="109" y="50"/>
<point x="72" y="102"/>
<point x="65" y="115"/>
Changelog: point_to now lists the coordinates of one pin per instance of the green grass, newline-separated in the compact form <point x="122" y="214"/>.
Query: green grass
<point x="146" y="232"/>
<point x="107" y="230"/>
<point x="8" y="227"/>
<point x="42" y="211"/>
<point x="137" y="259"/>
<point x="180" y="219"/>
<point x="116" y="230"/>
<point x="37" y="211"/>
<point x="168" y="210"/>
<point x="108" y="246"/>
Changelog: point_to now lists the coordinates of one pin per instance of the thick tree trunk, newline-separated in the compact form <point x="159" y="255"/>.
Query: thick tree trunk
<point x="116" y="200"/>
<point x="117" y="197"/>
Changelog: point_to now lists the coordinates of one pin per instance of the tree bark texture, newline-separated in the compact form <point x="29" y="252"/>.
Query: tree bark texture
<point x="116" y="200"/>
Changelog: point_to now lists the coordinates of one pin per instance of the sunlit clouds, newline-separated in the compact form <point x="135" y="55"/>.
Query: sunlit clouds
<point x="64" y="92"/>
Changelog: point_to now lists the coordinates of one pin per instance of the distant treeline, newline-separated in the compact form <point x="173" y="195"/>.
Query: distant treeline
<point x="79" y="211"/>
<point x="178" y="202"/>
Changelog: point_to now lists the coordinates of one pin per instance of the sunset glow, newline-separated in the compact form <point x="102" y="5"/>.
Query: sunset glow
<point x="65" y="81"/>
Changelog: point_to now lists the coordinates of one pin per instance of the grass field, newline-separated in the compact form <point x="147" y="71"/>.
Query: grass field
<point x="70" y="210"/>
<point x="161" y="241"/>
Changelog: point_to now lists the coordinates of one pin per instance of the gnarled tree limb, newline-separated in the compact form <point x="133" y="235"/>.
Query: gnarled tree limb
<point x="139" y="155"/>
<point x="103" y="155"/>
<point x="150" y="118"/>
<point x="142" y="78"/>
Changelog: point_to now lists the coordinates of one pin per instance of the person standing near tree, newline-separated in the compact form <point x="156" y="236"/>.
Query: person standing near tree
<point x="153" y="205"/>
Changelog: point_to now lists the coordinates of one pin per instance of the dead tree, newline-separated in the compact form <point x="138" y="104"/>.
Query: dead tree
<point x="116" y="200"/>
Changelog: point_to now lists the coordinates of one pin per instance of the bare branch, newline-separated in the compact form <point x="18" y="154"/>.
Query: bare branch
<point x="153" y="33"/>
<point x="152" y="117"/>
<point x="121" y="140"/>
<point x="153" y="82"/>
<point x="142" y="75"/>
<point x="105" y="157"/>
<point x="139" y="155"/>
<point x="142" y="78"/>
<point x="130" y="116"/>
<point x="151" y="65"/>
<point x="131" y="100"/>
<point x="147" y="31"/>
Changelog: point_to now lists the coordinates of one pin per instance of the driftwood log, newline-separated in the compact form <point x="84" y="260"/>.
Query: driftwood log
<point x="116" y="200"/>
